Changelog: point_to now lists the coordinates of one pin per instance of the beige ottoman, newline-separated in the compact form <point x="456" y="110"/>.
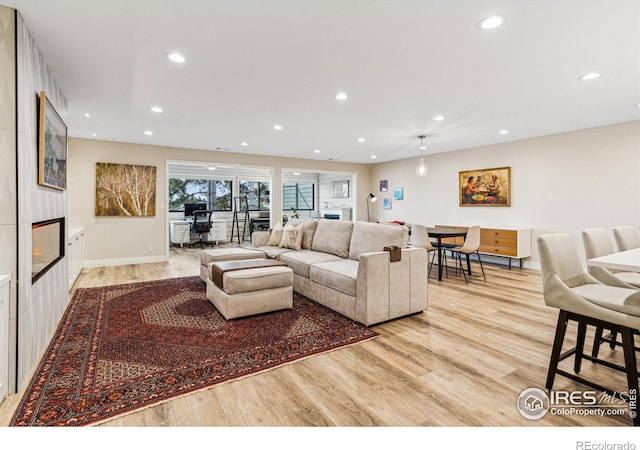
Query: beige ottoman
<point x="245" y="292"/>
<point x="225" y="254"/>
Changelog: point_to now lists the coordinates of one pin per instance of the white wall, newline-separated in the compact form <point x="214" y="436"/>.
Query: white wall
<point x="40" y="305"/>
<point x="8" y="196"/>
<point x="560" y="183"/>
<point x="125" y="240"/>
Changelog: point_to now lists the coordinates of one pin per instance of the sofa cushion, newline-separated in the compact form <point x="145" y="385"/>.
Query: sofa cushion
<point x="340" y="275"/>
<point x="276" y="235"/>
<point x="300" y="261"/>
<point x="374" y="237"/>
<point x="308" y="231"/>
<point x="292" y="237"/>
<point x="333" y="236"/>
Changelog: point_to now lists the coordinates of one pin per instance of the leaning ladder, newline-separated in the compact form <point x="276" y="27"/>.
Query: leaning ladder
<point x="240" y="208"/>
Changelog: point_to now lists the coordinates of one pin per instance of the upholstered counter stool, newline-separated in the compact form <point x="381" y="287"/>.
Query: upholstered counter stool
<point x="248" y="287"/>
<point x="583" y="299"/>
<point x="597" y="243"/>
<point x="225" y="254"/>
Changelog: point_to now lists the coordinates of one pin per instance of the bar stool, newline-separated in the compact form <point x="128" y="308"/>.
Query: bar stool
<point x="626" y="237"/>
<point x="583" y="299"/>
<point x="597" y="243"/>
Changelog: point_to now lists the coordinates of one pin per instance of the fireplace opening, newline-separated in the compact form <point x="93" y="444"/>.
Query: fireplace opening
<point x="47" y="246"/>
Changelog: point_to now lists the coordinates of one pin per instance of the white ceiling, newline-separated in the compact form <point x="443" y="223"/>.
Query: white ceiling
<point x="254" y="63"/>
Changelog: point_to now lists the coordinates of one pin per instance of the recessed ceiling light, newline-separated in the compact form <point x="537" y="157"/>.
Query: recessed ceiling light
<point x="277" y="127"/>
<point x="211" y="168"/>
<point x="155" y="109"/>
<point x="296" y="173"/>
<point x="94" y="134"/>
<point x="439" y="117"/>
<point x="373" y="157"/>
<point x="316" y="151"/>
<point x="87" y="115"/>
<point x="148" y="132"/>
<point x="590" y="76"/>
<point x="491" y="22"/>
<point x="341" y="96"/>
<point x="244" y="144"/>
<point x="361" y="139"/>
<point x="503" y="132"/>
<point x="176" y="57"/>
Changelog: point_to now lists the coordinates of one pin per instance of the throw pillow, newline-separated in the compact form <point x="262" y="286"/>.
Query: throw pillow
<point x="308" y="230"/>
<point x="276" y="235"/>
<point x="292" y="237"/>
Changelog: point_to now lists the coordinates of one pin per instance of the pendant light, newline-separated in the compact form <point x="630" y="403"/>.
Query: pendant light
<point x="421" y="170"/>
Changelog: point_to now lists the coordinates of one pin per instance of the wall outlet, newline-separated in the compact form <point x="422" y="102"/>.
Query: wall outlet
<point x="150" y="249"/>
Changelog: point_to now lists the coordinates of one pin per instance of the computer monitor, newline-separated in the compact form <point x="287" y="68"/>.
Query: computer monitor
<point x="189" y="208"/>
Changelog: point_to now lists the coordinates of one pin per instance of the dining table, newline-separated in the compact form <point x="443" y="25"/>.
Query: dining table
<point x="628" y="260"/>
<point x="439" y="234"/>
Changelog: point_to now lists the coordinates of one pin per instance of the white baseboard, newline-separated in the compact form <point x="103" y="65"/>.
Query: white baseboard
<point x="504" y="261"/>
<point x="125" y="261"/>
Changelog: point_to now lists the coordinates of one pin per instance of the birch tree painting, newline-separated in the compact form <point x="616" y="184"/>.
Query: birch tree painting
<point x="125" y="190"/>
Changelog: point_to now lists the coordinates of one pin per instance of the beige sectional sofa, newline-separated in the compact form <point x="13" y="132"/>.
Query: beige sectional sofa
<point x="342" y="265"/>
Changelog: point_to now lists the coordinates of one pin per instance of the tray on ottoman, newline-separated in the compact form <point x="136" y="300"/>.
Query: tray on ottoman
<point x="218" y="269"/>
<point x="226" y="254"/>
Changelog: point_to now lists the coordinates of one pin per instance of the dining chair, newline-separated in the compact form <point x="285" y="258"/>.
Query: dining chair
<point x="597" y="243"/>
<point x="626" y="237"/>
<point x="420" y="238"/>
<point x="581" y="298"/>
<point x="470" y="246"/>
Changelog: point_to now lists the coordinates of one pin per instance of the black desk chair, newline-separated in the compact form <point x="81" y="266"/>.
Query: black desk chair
<point x="201" y="225"/>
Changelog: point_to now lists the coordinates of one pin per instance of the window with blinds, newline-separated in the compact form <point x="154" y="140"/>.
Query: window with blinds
<point x="298" y="196"/>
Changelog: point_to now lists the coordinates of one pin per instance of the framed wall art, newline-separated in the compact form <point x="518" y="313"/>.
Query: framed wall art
<point x="386" y="203"/>
<point x="485" y="187"/>
<point x="384" y="185"/>
<point x="125" y="190"/>
<point x="398" y="194"/>
<point x="52" y="146"/>
<point x="340" y="189"/>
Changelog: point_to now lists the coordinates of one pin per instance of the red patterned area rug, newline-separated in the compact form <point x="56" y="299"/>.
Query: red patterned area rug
<point x="122" y="348"/>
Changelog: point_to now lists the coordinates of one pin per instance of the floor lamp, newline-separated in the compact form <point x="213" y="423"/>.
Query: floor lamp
<point x="370" y="199"/>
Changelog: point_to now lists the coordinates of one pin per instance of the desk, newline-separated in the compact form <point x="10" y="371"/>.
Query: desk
<point x="180" y="232"/>
<point x="439" y="234"/>
<point x="628" y="261"/>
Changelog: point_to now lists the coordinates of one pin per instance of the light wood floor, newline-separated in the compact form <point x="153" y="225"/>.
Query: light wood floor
<point x="463" y="362"/>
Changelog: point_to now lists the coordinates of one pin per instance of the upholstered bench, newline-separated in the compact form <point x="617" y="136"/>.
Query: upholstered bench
<point x="247" y="287"/>
<point x="225" y="254"/>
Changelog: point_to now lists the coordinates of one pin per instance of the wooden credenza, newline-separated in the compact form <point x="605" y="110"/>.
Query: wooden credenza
<point x="508" y="242"/>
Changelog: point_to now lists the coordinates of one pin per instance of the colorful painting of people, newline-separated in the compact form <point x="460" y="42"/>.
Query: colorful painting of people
<point x="485" y="187"/>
